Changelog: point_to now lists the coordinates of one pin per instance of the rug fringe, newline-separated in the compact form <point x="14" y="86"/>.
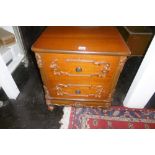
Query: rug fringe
<point x="65" y="119"/>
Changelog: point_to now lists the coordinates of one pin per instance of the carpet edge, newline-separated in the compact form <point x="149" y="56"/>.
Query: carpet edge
<point x="65" y="118"/>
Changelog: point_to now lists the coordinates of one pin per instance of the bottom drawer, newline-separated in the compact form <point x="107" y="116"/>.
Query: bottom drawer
<point x="79" y="91"/>
<point x="79" y="103"/>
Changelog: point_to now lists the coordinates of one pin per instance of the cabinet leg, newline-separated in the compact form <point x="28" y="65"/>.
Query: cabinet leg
<point x="49" y="105"/>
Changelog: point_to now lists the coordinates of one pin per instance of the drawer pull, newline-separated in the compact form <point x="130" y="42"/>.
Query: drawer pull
<point x="78" y="69"/>
<point x="77" y="92"/>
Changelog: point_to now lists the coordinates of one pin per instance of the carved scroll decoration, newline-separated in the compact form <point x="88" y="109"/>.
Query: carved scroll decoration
<point x="57" y="71"/>
<point x="47" y="94"/>
<point x="98" y="90"/>
<point x="122" y="62"/>
<point x="39" y="61"/>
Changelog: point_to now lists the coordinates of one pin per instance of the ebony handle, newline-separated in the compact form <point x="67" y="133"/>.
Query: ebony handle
<point x="77" y="92"/>
<point x="78" y="69"/>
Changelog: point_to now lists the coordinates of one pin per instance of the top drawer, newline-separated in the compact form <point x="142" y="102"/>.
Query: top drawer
<point x="79" y="65"/>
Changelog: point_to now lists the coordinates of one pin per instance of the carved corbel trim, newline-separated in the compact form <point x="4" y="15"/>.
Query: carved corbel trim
<point x="47" y="94"/>
<point x="122" y="62"/>
<point x="39" y="61"/>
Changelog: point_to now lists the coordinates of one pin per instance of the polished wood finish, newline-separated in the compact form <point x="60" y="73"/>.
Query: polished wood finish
<point x="97" y="40"/>
<point x="80" y="66"/>
<point x="137" y="38"/>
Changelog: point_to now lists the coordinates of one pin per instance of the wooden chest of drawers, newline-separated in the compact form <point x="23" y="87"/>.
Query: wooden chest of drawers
<point x="80" y="66"/>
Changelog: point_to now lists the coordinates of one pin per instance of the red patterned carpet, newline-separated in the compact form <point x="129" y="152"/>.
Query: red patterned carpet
<point x="112" y="118"/>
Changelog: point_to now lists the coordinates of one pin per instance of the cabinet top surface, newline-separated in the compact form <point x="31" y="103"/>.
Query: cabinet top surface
<point x="82" y="39"/>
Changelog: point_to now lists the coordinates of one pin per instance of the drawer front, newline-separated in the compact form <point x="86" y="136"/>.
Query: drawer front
<point x="79" y="66"/>
<point x="77" y="76"/>
<point x="79" y="91"/>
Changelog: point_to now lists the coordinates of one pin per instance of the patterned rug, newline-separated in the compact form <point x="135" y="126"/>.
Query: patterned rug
<point x="112" y="118"/>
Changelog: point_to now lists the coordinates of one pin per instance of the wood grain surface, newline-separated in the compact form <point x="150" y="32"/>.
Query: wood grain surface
<point x="80" y="66"/>
<point x="87" y="39"/>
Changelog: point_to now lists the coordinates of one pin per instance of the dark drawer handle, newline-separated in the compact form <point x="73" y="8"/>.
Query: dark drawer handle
<point x="77" y="92"/>
<point x="78" y="69"/>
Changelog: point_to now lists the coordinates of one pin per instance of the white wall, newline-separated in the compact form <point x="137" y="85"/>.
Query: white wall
<point x="143" y="85"/>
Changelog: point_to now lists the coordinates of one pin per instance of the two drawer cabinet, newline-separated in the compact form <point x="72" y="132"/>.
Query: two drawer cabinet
<point x="80" y="66"/>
